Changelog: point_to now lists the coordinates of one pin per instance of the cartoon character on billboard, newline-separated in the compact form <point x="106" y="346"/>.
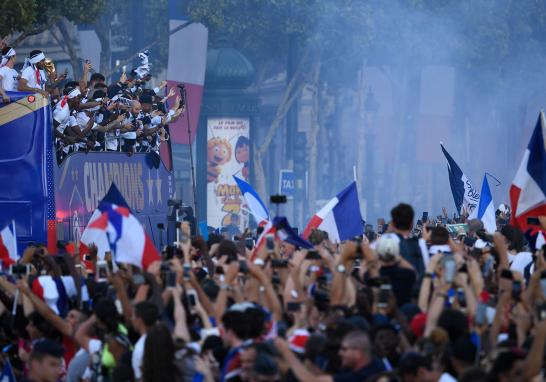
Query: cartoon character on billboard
<point x="218" y="153"/>
<point x="242" y="154"/>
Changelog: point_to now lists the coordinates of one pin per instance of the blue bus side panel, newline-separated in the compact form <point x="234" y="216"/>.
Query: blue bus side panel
<point x="25" y="141"/>
<point x="84" y="178"/>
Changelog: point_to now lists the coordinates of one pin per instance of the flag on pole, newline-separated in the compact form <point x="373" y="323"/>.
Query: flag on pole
<point x="486" y="209"/>
<point x="281" y="229"/>
<point x="7" y="372"/>
<point x="528" y="190"/>
<point x="464" y="194"/>
<point x="114" y="228"/>
<point x="8" y="245"/>
<point x="255" y="205"/>
<point x="340" y="217"/>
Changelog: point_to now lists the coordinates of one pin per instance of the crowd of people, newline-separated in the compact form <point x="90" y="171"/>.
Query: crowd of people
<point x="433" y="299"/>
<point x="90" y="115"/>
<point x="408" y="305"/>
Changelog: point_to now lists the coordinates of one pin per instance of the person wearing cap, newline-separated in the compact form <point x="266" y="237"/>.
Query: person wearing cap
<point x="45" y="362"/>
<point x="33" y="77"/>
<point x="9" y="77"/>
<point x="394" y="268"/>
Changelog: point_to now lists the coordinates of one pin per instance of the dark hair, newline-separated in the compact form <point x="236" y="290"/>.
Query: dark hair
<point x="474" y="374"/>
<point x="46" y="329"/>
<point x="107" y="313"/>
<point x="255" y="319"/>
<point x="236" y="321"/>
<point x="35" y="53"/>
<point x="402" y="216"/>
<point x="97" y="77"/>
<point x="242" y="141"/>
<point x="45" y="348"/>
<point x="514" y="236"/>
<point x="454" y="322"/>
<point x="158" y="362"/>
<point x="411" y="362"/>
<point x="464" y="350"/>
<point x="504" y="363"/>
<point x="6" y="50"/>
<point x="147" y="312"/>
<point x="227" y="248"/>
<point x="439" y="236"/>
<point x="264" y="364"/>
<point x="98" y="94"/>
<point x="72" y="84"/>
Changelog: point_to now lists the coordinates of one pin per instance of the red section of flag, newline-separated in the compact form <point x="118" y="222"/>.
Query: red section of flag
<point x="313" y="224"/>
<point x="100" y="223"/>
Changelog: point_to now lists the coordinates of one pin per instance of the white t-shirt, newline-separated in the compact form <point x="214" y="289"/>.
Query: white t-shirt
<point x="138" y="356"/>
<point x="63" y="116"/>
<point x="29" y="74"/>
<point x="111" y="140"/>
<point x="520" y="261"/>
<point x="10" y="79"/>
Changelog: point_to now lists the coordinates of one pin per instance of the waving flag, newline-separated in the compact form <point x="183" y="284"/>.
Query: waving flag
<point x="528" y="190"/>
<point x="282" y="230"/>
<point x="340" y="217"/>
<point x="55" y="292"/>
<point x="486" y="209"/>
<point x="8" y="245"/>
<point x="255" y="205"/>
<point x="114" y="228"/>
<point x="464" y="194"/>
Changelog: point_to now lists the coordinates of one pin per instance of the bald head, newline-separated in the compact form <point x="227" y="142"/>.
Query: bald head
<point x="136" y="107"/>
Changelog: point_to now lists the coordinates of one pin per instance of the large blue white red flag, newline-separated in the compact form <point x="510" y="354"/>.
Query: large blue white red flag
<point x="255" y="205"/>
<point x="340" y="217"/>
<point x="528" y="190"/>
<point x="486" y="209"/>
<point x="114" y="228"/>
<point x="8" y="245"/>
<point x="464" y="194"/>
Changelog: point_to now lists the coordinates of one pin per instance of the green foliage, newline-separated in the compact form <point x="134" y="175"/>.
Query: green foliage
<point x="16" y="16"/>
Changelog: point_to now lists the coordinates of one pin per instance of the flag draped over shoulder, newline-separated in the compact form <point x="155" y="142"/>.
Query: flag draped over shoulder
<point x="464" y="194"/>
<point x="528" y="190"/>
<point x="114" y="228"/>
<point x="340" y="217"/>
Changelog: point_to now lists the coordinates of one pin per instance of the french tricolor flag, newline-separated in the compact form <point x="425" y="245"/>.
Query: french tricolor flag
<point x="255" y="205"/>
<point x="281" y="230"/>
<point x="528" y="190"/>
<point x="8" y="245"/>
<point x="340" y="217"/>
<point x="55" y="292"/>
<point x="114" y="228"/>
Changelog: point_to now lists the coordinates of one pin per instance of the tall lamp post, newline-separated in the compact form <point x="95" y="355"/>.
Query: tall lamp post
<point x="371" y="106"/>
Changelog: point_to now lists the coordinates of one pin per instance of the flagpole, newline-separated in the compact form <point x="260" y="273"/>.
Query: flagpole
<point x="354" y="173"/>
